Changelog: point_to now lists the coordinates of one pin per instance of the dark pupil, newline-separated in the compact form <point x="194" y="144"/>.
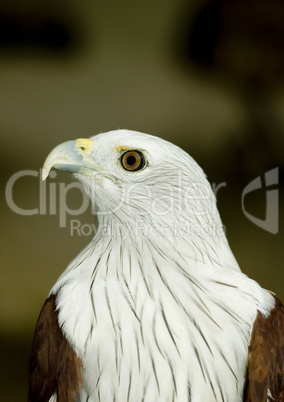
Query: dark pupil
<point x="131" y="160"/>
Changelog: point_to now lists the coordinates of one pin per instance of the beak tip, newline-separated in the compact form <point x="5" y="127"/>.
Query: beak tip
<point x="44" y="174"/>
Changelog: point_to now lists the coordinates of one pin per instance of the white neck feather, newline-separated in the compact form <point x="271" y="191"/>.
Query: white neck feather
<point x="132" y="305"/>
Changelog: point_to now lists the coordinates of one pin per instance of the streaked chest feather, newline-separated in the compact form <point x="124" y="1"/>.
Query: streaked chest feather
<point x="155" y="333"/>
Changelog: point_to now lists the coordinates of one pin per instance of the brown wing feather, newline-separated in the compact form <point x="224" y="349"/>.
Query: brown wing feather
<point x="54" y="366"/>
<point x="266" y="358"/>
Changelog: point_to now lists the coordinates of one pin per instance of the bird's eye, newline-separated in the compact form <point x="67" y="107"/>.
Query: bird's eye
<point x="133" y="161"/>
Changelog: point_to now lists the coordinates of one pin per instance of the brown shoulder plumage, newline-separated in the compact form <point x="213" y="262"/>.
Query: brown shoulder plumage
<point x="54" y="366"/>
<point x="265" y="380"/>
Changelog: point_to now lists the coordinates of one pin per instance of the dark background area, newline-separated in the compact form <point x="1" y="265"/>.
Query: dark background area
<point x="206" y="75"/>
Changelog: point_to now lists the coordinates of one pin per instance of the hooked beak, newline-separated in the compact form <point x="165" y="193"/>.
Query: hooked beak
<point x="76" y="157"/>
<point x="71" y="156"/>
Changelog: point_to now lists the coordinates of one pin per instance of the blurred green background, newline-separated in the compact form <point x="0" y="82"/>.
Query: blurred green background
<point x="206" y="75"/>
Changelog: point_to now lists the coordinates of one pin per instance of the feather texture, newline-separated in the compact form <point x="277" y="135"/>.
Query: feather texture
<point x="155" y="308"/>
<point x="266" y="358"/>
<point x="55" y="369"/>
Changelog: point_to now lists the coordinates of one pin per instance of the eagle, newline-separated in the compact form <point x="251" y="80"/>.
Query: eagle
<point x="155" y="308"/>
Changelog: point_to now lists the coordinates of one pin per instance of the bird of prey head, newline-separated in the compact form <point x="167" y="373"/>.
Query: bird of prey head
<point x="144" y="185"/>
